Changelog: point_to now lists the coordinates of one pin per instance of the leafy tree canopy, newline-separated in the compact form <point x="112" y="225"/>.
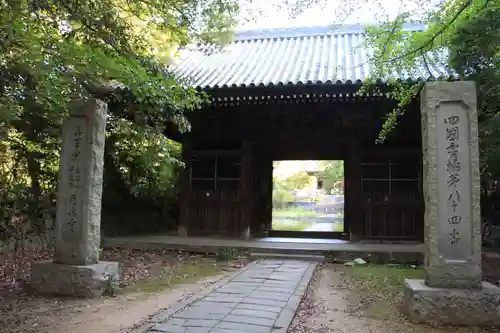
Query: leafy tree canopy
<point x="53" y="51"/>
<point x="297" y="181"/>
<point x="332" y="173"/>
<point x="461" y="35"/>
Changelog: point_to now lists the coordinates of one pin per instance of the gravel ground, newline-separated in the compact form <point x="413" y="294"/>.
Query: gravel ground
<point x="338" y="301"/>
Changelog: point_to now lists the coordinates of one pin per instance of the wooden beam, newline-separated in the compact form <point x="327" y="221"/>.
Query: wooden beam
<point x="394" y="151"/>
<point x="215" y="152"/>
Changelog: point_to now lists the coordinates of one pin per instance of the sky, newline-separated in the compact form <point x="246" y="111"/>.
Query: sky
<point x="333" y="12"/>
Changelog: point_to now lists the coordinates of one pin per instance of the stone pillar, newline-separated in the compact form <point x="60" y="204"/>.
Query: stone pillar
<point x="76" y="269"/>
<point x="453" y="291"/>
<point x="451" y="185"/>
<point x="78" y="217"/>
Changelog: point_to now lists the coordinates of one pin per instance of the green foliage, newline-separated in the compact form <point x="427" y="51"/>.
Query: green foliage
<point x="54" y="51"/>
<point x="291" y="225"/>
<point x="461" y="35"/>
<point x="282" y="188"/>
<point x="12" y="196"/>
<point x="147" y="161"/>
<point x="295" y="212"/>
<point x="228" y="253"/>
<point x="475" y="53"/>
<point x="332" y="174"/>
<point x="413" y="53"/>
<point x="296" y="181"/>
<point x="281" y="195"/>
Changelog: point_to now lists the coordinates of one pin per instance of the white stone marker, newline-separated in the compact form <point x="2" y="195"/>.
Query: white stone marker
<point x="453" y="291"/>
<point x="76" y="269"/>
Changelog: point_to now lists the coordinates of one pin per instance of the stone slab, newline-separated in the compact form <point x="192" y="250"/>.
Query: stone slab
<point x="86" y="281"/>
<point x="306" y="257"/>
<point x="253" y="311"/>
<point x="471" y="307"/>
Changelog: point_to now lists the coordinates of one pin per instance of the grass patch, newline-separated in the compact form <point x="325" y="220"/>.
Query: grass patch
<point x="291" y="225"/>
<point x="295" y="211"/>
<point x="380" y="287"/>
<point x="302" y="225"/>
<point x="228" y="253"/>
<point x="167" y="277"/>
<point x="383" y="277"/>
<point x="338" y="227"/>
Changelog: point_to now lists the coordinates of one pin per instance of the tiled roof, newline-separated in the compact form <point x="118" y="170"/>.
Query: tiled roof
<point x="287" y="56"/>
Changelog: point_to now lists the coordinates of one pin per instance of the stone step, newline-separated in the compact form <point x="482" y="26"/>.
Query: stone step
<point x="303" y="257"/>
<point x="373" y="253"/>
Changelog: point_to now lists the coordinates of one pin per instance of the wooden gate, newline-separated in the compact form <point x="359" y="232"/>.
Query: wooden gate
<point x="391" y="195"/>
<point x="214" y="196"/>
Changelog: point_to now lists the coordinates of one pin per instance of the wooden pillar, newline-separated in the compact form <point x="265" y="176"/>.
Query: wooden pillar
<point x="261" y="195"/>
<point x="354" y="221"/>
<point x="246" y="190"/>
<point x="421" y="200"/>
<point x="185" y="191"/>
<point x="255" y="206"/>
<point x="268" y="189"/>
<point x="267" y="193"/>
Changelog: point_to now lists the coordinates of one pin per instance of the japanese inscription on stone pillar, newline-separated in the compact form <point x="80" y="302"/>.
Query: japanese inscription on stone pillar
<point x="454" y="182"/>
<point x="77" y="232"/>
<point x="74" y="179"/>
<point x="451" y="184"/>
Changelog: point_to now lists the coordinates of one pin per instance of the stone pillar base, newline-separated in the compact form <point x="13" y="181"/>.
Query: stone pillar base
<point x="182" y="231"/>
<point x="86" y="281"/>
<point x="470" y="307"/>
<point x="246" y="234"/>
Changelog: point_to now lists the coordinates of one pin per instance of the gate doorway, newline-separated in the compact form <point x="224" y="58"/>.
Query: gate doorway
<point x="308" y="198"/>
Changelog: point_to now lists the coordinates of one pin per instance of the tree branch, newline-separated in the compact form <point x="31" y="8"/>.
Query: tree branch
<point x="425" y="63"/>
<point x="431" y="40"/>
<point x="393" y="30"/>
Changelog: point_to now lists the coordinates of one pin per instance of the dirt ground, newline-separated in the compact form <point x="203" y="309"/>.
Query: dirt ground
<point x="361" y="299"/>
<point x="151" y="280"/>
<point x="348" y="299"/>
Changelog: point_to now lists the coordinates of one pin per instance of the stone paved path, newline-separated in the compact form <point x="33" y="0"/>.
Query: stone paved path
<point x="261" y="298"/>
